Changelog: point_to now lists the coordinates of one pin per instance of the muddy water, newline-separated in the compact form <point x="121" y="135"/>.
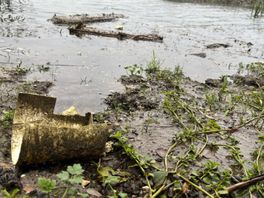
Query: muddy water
<point x="85" y="70"/>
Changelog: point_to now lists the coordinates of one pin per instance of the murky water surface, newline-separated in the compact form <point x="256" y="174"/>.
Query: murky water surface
<point x="86" y="70"/>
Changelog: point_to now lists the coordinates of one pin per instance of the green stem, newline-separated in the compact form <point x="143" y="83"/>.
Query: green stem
<point x="65" y="193"/>
<point x="195" y="186"/>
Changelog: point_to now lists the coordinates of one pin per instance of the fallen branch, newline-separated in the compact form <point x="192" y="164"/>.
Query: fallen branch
<point x="245" y="184"/>
<point x="81" y="29"/>
<point x="84" y="18"/>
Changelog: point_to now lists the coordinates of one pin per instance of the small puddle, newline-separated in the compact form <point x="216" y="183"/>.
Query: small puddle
<point x="86" y="70"/>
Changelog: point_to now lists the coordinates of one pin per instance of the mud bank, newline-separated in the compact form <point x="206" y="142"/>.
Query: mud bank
<point x="175" y="137"/>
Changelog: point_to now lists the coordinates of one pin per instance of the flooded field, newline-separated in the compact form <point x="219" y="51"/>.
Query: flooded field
<point x="86" y="70"/>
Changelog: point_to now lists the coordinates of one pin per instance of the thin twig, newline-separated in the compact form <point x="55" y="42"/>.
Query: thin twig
<point x="245" y="184"/>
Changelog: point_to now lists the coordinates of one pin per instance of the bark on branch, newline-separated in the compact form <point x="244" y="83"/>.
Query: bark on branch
<point x="84" y="18"/>
<point x="245" y="184"/>
<point x="81" y="30"/>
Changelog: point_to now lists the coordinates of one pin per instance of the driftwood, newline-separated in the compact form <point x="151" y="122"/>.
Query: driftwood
<point x="84" y="18"/>
<point x="81" y="29"/>
<point x="245" y="184"/>
<point x="39" y="136"/>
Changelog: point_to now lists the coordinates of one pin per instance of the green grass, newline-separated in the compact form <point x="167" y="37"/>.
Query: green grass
<point x="258" y="8"/>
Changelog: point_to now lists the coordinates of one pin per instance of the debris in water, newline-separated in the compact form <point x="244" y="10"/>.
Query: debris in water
<point x="217" y="45"/>
<point x="81" y="29"/>
<point x="84" y="18"/>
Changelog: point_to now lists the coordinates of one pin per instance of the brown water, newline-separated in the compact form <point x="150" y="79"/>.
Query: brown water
<point x="85" y="70"/>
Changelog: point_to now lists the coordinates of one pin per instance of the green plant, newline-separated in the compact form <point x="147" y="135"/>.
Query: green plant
<point x="13" y="194"/>
<point x="69" y="180"/>
<point x="212" y="100"/>
<point x="258" y="8"/>
<point x="19" y="70"/>
<point x="72" y="177"/>
<point x="134" y="69"/>
<point x="7" y="118"/>
<point x="46" y="185"/>
<point x="154" y="65"/>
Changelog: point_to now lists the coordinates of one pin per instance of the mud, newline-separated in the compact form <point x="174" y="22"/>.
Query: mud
<point x="150" y="129"/>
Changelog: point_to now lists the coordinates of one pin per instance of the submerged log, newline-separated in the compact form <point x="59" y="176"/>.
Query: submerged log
<point x="84" y="18"/>
<point x="81" y="29"/>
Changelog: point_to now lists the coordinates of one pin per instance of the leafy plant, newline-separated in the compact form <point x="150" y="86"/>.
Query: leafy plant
<point x="46" y="185"/>
<point x="258" y="8"/>
<point x="70" y="179"/>
<point x="7" y="118"/>
<point x="19" y="70"/>
<point x="13" y="194"/>
<point x="154" y="65"/>
<point x="134" y="69"/>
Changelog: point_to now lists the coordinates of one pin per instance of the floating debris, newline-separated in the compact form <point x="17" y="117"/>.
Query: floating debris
<point x="217" y="45"/>
<point x="84" y="18"/>
<point x="81" y="29"/>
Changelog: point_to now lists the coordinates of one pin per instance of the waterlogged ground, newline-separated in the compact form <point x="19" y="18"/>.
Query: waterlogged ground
<point x="85" y="70"/>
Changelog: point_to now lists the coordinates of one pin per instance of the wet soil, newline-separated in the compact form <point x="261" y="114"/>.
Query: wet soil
<point x="150" y="128"/>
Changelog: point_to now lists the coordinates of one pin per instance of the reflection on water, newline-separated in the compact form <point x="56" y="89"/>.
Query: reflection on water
<point x="12" y="18"/>
<point x="27" y="36"/>
<point x="5" y="3"/>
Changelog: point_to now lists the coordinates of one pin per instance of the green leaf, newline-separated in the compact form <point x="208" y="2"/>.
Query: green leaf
<point x="159" y="177"/>
<point x="72" y="191"/>
<point x="177" y="186"/>
<point x="63" y="176"/>
<point x="223" y="192"/>
<point x="46" y="185"/>
<point x="5" y="193"/>
<point x="15" y="192"/>
<point x="105" y="171"/>
<point x="122" y="195"/>
<point x="76" y="169"/>
<point x="77" y="179"/>
<point x="212" y="125"/>
<point x="112" y="180"/>
<point x="118" y="135"/>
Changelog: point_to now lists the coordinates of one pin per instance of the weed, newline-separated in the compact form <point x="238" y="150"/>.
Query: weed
<point x="134" y="69"/>
<point x="70" y="180"/>
<point x="212" y="100"/>
<point x="20" y="71"/>
<point x="43" y="68"/>
<point x="7" y="118"/>
<point x="258" y="8"/>
<point x="154" y="65"/>
<point x="46" y="185"/>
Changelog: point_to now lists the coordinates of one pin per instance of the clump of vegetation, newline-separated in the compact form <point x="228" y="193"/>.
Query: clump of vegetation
<point x="258" y="8"/>
<point x="67" y="184"/>
<point x="20" y="70"/>
<point x="7" y="118"/>
<point x="201" y="130"/>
